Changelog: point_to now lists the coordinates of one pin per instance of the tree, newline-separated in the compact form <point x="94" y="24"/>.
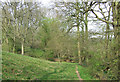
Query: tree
<point x="115" y="23"/>
<point x="76" y="16"/>
<point x="22" y="18"/>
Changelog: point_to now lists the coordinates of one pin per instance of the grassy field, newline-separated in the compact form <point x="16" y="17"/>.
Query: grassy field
<point x="19" y="67"/>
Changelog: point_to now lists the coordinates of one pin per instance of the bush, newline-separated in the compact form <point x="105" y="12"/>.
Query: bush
<point x="38" y="53"/>
<point x="49" y="55"/>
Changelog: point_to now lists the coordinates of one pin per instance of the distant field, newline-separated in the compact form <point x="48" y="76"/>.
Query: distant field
<point x="19" y="67"/>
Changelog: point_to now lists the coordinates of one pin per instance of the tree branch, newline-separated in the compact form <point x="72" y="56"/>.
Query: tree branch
<point x="101" y="19"/>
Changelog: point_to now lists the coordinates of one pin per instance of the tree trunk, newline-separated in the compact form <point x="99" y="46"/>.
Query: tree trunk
<point x="118" y="40"/>
<point x="22" y="47"/>
<point x="15" y="9"/>
<point x="79" y="52"/>
<point x="114" y="10"/>
<point x="116" y="20"/>
<point x="78" y="30"/>
<point x="107" y="41"/>
<point x="86" y="27"/>
<point x="115" y="25"/>
<point x="78" y="35"/>
<point x="7" y="41"/>
<point x="58" y="57"/>
<point x="14" y="45"/>
<point x="86" y="35"/>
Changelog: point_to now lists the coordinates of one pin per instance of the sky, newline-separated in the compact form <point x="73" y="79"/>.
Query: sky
<point x="45" y="2"/>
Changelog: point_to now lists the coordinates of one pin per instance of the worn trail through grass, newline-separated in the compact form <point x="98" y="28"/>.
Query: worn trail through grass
<point x="19" y="67"/>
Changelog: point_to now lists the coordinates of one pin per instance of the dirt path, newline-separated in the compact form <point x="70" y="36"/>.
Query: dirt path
<point x="78" y="73"/>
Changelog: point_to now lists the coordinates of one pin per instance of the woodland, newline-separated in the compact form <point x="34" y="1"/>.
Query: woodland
<point x="49" y="42"/>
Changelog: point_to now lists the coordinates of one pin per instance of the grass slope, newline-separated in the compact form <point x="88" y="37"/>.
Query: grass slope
<point x="19" y="67"/>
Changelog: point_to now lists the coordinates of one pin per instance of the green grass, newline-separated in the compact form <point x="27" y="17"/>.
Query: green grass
<point x="19" y="67"/>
